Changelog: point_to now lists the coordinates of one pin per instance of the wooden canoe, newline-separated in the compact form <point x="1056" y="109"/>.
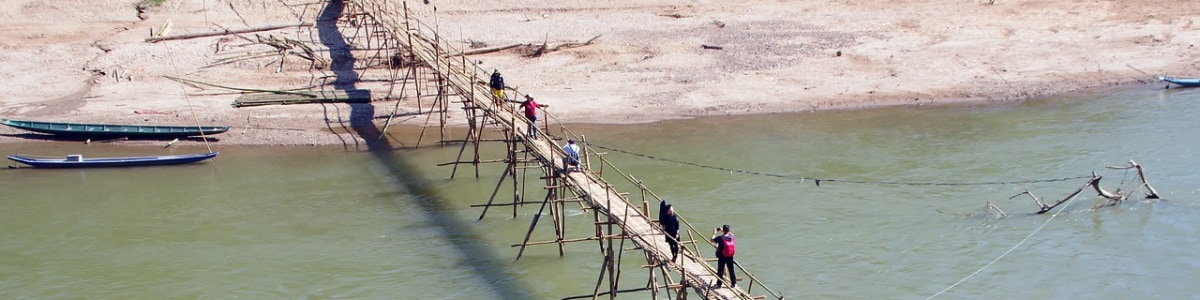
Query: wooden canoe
<point x="81" y="130"/>
<point x="1181" y="81"/>
<point x="78" y="161"/>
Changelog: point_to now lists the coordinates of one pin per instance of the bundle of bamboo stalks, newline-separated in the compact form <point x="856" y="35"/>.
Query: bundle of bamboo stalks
<point x="298" y="97"/>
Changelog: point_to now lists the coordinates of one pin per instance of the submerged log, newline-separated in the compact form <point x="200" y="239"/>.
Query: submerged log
<point x="1112" y="198"/>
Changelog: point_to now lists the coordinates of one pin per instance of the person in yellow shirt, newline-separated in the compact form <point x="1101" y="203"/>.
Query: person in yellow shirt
<point x="497" y="84"/>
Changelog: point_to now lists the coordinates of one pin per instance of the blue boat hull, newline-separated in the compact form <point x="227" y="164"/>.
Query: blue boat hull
<point x="1183" y="82"/>
<point x="132" y="161"/>
<point x="102" y="131"/>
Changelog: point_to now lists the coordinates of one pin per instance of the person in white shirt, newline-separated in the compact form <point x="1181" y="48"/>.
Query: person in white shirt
<point x="572" y="157"/>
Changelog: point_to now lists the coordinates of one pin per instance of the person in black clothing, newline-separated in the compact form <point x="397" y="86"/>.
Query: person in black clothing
<point x="724" y="238"/>
<point x="497" y="84"/>
<point x="670" y="225"/>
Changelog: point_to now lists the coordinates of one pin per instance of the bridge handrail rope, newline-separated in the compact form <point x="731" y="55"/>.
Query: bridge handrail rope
<point x="691" y="230"/>
<point x="586" y="151"/>
<point x="708" y="268"/>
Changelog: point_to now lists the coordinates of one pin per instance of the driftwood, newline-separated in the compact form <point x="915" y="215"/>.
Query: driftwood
<point x="256" y="97"/>
<point x="529" y="49"/>
<point x="239" y="15"/>
<point x="164" y="29"/>
<point x="1112" y="198"/>
<point x="249" y="90"/>
<point x="568" y="45"/>
<point x="237" y="34"/>
<point x="991" y="206"/>
<point x="1151" y="193"/>
<point x="544" y="48"/>
<point x="1043" y="208"/>
<point x="1041" y="204"/>
<point x="223" y="32"/>
<point x="283" y="47"/>
<point x="713" y="47"/>
<point x="488" y="50"/>
<point x="541" y="50"/>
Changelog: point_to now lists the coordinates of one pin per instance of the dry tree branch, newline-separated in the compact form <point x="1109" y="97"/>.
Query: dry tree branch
<point x="991" y="206"/>
<point x="1152" y="193"/>
<point x="223" y="32"/>
<point x="1041" y="205"/>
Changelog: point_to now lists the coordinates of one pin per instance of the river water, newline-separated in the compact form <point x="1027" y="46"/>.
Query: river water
<point x="899" y="214"/>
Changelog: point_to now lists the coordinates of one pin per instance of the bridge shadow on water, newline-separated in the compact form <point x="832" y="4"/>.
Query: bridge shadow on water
<point x="477" y="258"/>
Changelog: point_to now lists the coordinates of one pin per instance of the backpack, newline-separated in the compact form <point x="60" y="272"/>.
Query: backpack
<point x="728" y="248"/>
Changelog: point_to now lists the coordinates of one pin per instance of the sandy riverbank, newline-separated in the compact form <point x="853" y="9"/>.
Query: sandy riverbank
<point x="87" y="60"/>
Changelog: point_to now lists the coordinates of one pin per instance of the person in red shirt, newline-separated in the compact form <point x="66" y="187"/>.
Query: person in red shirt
<point x="531" y="107"/>
<point x="725" y="251"/>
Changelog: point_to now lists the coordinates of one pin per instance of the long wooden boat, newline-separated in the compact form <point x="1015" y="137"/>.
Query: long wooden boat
<point x="78" y="161"/>
<point x="1181" y="81"/>
<point x="113" y="131"/>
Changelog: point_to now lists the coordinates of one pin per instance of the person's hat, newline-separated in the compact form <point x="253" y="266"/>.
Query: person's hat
<point x="529" y="96"/>
<point x="570" y="141"/>
<point x="725" y="227"/>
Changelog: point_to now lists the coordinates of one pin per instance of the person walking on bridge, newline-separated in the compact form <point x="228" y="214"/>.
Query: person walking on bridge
<point x="531" y="108"/>
<point x="725" y="251"/>
<point x="670" y="225"/>
<point x="572" y="158"/>
<point x="497" y="84"/>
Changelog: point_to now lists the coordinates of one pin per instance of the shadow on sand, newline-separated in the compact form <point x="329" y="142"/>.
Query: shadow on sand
<point x="477" y="258"/>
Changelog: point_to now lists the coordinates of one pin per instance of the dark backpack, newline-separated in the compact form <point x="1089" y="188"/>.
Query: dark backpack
<point x="497" y="81"/>
<point x="728" y="248"/>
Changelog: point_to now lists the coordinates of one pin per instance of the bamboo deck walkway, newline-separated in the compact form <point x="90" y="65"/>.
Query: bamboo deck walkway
<point x="465" y="79"/>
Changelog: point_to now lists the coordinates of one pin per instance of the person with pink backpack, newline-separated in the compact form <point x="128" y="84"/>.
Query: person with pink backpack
<point x="725" y="251"/>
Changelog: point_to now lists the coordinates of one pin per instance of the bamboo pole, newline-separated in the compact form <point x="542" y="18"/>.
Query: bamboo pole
<point x="582" y="239"/>
<point x="470" y="162"/>
<point x="533" y="224"/>
<point x="396" y="108"/>
<point x="470" y="131"/>
<point x="506" y="204"/>
<point x="517" y="191"/>
<point x="560" y="226"/>
<point x="223" y="32"/>
<point x="507" y="170"/>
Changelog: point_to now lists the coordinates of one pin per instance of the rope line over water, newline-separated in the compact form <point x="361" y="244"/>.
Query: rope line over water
<point x="1010" y="250"/>
<point x="818" y="181"/>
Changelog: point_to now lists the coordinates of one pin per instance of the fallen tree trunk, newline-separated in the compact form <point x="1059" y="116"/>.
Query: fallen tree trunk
<point x="1095" y="180"/>
<point x="488" y="50"/>
<point x="223" y="32"/>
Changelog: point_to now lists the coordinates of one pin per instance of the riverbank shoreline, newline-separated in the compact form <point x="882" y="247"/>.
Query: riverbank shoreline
<point x="93" y="63"/>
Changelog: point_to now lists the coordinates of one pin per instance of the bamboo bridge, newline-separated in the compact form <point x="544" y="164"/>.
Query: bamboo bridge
<point x="402" y="42"/>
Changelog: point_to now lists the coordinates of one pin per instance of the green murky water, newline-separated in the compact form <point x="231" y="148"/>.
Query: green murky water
<point x="325" y="223"/>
